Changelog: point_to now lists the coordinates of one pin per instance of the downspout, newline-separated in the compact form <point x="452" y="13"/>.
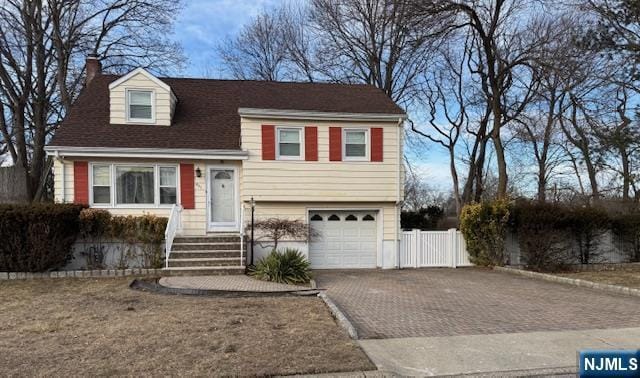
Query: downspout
<point x="398" y="201"/>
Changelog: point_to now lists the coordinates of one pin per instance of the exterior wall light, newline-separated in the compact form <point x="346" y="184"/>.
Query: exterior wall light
<point x="198" y="172"/>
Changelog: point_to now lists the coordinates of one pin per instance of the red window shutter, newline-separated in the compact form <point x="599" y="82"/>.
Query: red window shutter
<point x="268" y="142"/>
<point x="311" y="143"/>
<point x="376" y="144"/>
<point x="187" y="186"/>
<point x="81" y="182"/>
<point x="335" y="143"/>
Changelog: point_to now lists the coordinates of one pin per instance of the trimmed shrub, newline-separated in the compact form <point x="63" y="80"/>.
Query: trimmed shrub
<point x="484" y="226"/>
<point x="141" y="238"/>
<point x="627" y="228"/>
<point x="543" y="235"/>
<point x="95" y="226"/>
<point x="587" y="225"/>
<point x="289" y="267"/>
<point x="95" y="223"/>
<point x="37" y="238"/>
<point x="145" y="230"/>
<point x="426" y="218"/>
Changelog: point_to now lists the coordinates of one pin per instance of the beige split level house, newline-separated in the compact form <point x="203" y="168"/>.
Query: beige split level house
<point x="198" y="151"/>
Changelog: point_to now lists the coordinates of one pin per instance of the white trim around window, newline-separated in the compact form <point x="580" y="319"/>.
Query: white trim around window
<point x="113" y="185"/>
<point x="300" y="131"/>
<point x="128" y="105"/>
<point x="367" y="144"/>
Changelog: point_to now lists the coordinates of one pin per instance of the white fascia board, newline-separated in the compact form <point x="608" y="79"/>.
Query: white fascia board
<point x="315" y="115"/>
<point x="146" y="153"/>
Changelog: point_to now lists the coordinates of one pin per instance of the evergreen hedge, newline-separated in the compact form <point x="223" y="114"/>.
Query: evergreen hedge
<point x="37" y="238"/>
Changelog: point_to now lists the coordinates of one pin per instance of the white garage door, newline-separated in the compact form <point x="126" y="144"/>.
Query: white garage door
<point x="344" y="239"/>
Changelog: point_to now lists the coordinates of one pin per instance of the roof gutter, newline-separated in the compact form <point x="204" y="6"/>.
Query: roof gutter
<point x="153" y="153"/>
<point x="316" y="115"/>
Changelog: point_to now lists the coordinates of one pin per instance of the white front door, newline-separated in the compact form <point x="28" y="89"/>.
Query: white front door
<point x="222" y="199"/>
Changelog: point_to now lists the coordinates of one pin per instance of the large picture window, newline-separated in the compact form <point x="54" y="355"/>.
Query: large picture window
<point x="140" y="105"/>
<point x="289" y="143"/>
<point x="134" y="185"/>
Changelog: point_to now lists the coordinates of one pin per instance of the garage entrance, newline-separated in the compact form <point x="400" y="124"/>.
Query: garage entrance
<point x="344" y="239"/>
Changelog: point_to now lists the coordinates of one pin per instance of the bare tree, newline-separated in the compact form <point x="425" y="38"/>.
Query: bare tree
<point x="505" y="39"/>
<point x="417" y="192"/>
<point x="350" y="41"/>
<point x="375" y="42"/>
<point x="42" y="49"/>
<point x="538" y="127"/>
<point x="577" y="130"/>
<point x="260" y="49"/>
<point x="616" y="30"/>
<point x="618" y="136"/>
<point x="275" y="229"/>
<point x="446" y="102"/>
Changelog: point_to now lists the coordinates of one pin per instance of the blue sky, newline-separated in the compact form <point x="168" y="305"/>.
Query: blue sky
<point x="204" y="24"/>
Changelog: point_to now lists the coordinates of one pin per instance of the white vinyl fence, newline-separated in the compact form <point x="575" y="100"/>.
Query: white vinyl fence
<point x="419" y="249"/>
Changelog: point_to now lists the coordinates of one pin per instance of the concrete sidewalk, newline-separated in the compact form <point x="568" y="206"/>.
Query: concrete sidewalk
<point x="533" y="353"/>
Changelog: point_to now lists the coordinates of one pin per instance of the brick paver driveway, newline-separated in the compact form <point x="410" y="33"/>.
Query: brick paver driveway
<point x="467" y="301"/>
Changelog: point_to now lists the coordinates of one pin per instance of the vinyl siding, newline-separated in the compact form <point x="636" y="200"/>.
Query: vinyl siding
<point x="59" y="181"/>
<point x="322" y="180"/>
<point x="164" y="105"/>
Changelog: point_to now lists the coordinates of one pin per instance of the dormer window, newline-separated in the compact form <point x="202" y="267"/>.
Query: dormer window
<point x="140" y="106"/>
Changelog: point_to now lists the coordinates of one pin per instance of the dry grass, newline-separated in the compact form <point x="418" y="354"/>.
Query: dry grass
<point x="95" y="327"/>
<point x="628" y="276"/>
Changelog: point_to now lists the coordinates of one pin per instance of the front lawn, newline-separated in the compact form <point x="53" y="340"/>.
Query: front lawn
<point x="628" y="276"/>
<point x="91" y="327"/>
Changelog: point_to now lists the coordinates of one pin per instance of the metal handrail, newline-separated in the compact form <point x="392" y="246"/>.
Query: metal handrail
<point x="242" y="234"/>
<point x="173" y="225"/>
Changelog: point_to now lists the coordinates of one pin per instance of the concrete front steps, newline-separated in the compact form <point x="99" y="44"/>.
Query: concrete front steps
<point x="205" y="255"/>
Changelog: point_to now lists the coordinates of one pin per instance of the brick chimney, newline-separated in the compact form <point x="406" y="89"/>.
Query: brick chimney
<point x="93" y="66"/>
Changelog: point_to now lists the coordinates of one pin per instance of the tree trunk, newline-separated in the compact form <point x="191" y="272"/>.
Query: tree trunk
<point x="502" y="168"/>
<point x="479" y="174"/>
<point x="626" y="174"/>
<point x="591" y="171"/>
<point x="454" y="177"/>
<point x="542" y="182"/>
